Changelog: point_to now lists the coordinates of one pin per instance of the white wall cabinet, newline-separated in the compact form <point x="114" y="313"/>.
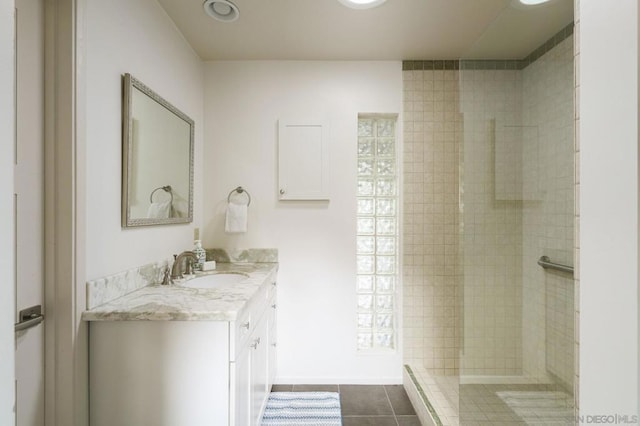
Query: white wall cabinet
<point x="173" y="373"/>
<point x="303" y="160"/>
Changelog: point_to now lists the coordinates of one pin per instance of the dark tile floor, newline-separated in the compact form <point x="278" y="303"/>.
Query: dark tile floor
<point x="366" y="405"/>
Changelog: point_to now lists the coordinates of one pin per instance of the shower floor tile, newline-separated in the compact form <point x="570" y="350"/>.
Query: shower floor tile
<point x="515" y="404"/>
<point x="488" y="405"/>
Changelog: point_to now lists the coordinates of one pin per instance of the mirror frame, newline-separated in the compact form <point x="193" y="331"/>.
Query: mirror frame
<point x="130" y="83"/>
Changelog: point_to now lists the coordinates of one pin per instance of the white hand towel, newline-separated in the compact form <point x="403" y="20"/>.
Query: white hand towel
<point x="236" y="218"/>
<point x="159" y="210"/>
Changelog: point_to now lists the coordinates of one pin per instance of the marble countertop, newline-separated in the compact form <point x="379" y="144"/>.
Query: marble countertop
<point x="176" y="303"/>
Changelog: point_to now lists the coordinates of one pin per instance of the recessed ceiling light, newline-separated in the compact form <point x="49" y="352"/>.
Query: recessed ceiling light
<point x="222" y="10"/>
<point x="361" y="4"/>
<point x="533" y="2"/>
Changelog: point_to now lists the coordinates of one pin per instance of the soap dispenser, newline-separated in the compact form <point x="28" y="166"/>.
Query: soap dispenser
<point x="201" y="254"/>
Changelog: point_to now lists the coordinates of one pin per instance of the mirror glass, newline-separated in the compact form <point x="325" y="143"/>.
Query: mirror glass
<point x="157" y="159"/>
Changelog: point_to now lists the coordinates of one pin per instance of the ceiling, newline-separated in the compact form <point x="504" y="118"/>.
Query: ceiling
<point x="397" y="30"/>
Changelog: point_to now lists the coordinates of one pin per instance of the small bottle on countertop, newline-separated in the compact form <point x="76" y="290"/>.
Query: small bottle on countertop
<point x="201" y="254"/>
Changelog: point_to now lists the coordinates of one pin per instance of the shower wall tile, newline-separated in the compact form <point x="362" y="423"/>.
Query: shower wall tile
<point x="549" y="225"/>
<point x="432" y="130"/>
<point x="471" y="282"/>
<point x="492" y="217"/>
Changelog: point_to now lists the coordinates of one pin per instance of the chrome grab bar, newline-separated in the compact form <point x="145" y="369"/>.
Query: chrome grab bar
<point x="546" y="263"/>
<point x="29" y="317"/>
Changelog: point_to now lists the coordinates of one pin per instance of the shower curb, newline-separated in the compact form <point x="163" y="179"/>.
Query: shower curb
<point x="435" y="419"/>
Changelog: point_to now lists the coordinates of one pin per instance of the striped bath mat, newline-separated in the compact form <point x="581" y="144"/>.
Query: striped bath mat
<point x="302" y="408"/>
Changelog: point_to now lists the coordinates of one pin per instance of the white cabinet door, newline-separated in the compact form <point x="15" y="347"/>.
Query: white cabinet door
<point x="160" y="373"/>
<point x="251" y="378"/>
<point x="242" y="391"/>
<point x="259" y="378"/>
<point x="303" y="161"/>
<point x="273" y="341"/>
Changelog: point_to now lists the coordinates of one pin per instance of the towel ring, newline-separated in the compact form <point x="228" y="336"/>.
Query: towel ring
<point x="166" y="188"/>
<point x="239" y="190"/>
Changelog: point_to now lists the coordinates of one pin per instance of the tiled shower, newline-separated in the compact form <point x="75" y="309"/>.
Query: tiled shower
<point x="488" y="188"/>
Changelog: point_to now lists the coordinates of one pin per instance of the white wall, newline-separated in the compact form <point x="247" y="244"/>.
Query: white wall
<point x="608" y="108"/>
<point x="7" y="307"/>
<point x="316" y="240"/>
<point x="134" y="36"/>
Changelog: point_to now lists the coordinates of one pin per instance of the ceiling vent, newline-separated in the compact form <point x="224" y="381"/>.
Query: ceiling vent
<point x="222" y="10"/>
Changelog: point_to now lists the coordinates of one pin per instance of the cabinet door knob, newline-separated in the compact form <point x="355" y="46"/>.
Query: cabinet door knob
<point x="247" y="325"/>
<point x="255" y="343"/>
<point x="282" y="192"/>
<point x="274" y="306"/>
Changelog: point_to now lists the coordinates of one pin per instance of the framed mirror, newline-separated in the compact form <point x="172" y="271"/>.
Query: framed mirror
<point x="157" y="159"/>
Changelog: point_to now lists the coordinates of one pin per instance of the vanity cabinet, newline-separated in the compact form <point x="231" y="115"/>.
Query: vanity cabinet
<point x="251" y="379"/>
<point x="273" y="337"/>
<point x="242" y="388"/>
<point x="252" y="364"/>
<point x="175" y="373"/>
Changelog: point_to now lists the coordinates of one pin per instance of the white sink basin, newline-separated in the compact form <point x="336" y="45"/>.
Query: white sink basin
<point x="215" y="280"/>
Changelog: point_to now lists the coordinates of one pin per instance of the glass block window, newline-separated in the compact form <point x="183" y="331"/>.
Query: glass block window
<point x="377" y="233"/>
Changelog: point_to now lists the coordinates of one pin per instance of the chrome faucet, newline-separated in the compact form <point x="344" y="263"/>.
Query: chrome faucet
<point x="176" y="269"/>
